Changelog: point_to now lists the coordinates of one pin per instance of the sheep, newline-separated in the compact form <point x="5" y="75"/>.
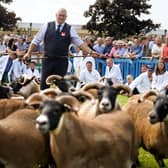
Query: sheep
<point x="99" y="143"/>
<point x="105" y="101"/>
<point x="25" y="86"/>
<point x="153" y="138"/>
<point x="65" y="84"/>
<point x="157" y="140"/>
<point x="21" y="144"/>
<point x="8" y="106"/>
<point x="5" y="92"/>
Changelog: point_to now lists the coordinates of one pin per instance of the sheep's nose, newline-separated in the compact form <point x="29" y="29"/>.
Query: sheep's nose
<point x="153" y="118"/>
<point x="105" y="104"/>
<point x="42" y="120"/>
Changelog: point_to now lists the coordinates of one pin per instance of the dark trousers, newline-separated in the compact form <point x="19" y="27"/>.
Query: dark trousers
<point x="52" y="66"/>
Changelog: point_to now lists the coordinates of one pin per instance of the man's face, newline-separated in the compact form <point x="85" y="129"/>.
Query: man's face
<point x="61" y="17"/>
<point x="89" y="66"/>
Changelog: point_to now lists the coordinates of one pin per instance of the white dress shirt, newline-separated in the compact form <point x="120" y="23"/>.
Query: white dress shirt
<point x="86" y="76"/>
<point x="84" y="60"/>
<point x="41" y="34"/>
<point x="19" y="68"/>
<point x="30" y="73"/>
<point x="114" y="73"/>
<point x="160" y="81"/>
<point x="142" y="83"/>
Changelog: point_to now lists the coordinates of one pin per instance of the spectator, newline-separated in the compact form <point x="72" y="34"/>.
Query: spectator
<point x="143" y="83"/>
<point x="136" y="50"/>
<point x="129" y="79"/>
<point x="157" y="48"/>
<point x="21" y="46"/>
<point x="114" y="48"/>
<point x="113" y="72"/>
<point x="99" y="46"/>
<point x="164" y="54"/>
<point x="143" y="68"/>
<point x="18" y="68"/>
<point x="2" y="47"/>
<point x="6" y="63"/>
<point x="89" y="74"/>
<point x="33" y="71"/>
<point x="120" y="51"/>
<point x="160" y="77"/>
<point x="108" y="46"/>
<point x="11" y="46"/>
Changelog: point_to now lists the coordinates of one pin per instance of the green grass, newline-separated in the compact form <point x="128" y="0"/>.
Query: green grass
<point x="146" y="159"/>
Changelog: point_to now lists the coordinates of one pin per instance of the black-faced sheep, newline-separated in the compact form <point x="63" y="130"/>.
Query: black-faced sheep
<point x="79" y="142"/>
<point x="5" y="92"/>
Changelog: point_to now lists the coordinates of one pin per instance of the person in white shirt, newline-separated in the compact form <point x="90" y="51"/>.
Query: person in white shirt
<point x="89" y="74"/>
<point x="143" y="83"/>
<point x="113" y="72"/>
<point x="33" y="71"/>
<point x="160" y="77"/>
<point x="19" y="68"/>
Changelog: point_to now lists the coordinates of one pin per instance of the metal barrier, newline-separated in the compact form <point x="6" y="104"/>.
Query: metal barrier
<point x="127" y="66"/>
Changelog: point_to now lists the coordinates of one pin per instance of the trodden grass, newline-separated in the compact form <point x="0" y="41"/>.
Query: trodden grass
<point x="146" y="159"/>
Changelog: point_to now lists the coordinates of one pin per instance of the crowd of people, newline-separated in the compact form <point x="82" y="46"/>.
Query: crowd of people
<point x="13" y="47"/>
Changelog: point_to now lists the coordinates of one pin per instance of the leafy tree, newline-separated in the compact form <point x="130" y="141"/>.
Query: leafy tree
<point x="119" y="18"/>
<point x="8" y="19"/>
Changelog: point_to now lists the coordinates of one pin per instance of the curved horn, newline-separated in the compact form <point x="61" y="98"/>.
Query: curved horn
<point x="125" y="88"/>
<point x="70" y="101"/>
<point x="35" y="99"/>
<point x="71" y="77"/>
<point x="50" y="92"/>
<point x="94" y="85"/>
<point x="148" y="94"/>
<point x="22" y="80"/>
<point x="52" y="78"/>
<point x="83" y="93"/>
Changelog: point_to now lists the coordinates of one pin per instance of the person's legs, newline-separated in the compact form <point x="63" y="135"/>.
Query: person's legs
<point x="51" y="67"/>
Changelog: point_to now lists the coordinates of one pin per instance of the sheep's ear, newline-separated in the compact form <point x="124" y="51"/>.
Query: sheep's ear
<point x="35" y="99"/>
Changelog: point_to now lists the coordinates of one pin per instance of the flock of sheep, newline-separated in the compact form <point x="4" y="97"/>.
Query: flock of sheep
<point x="61" y="127"/>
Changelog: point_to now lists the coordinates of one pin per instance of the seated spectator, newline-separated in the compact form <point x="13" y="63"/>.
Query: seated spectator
<point x="120" y="51"/>
<point x="160" y="77"/>
<point x="77" y="60"/>
<point x="113" y="72"/>
<point x="85" y="59"/>
<point x="33" y="71"/>
<point x="143" y="68"/>
<point x="143" y="83"/>
<point x="6" y="63"/>
<point x="157" y="48"/>
<point x="129" y="79"/>
<point x="99" y="46"/>
<point x="19" y="68"/>
<point x="89" y="74"/>
<point x="164" y="53"/>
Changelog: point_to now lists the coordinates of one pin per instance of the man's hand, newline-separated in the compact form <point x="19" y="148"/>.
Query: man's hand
<point x="94" y="54"/>
<point x="26" y="56"/>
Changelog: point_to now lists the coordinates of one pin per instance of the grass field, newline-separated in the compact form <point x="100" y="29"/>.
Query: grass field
<point x="146" y="159"/>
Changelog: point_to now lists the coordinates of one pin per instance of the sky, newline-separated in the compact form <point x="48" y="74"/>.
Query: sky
<point x="41" y="11"/>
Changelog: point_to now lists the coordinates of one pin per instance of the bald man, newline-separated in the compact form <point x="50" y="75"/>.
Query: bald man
<point x="57" y="36"/>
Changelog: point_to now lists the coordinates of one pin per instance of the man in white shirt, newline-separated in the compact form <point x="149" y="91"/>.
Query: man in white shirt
<point x="57" y="37"/>
<point x="143" y="82"/>
<point x="113" y="72"/>
<point x="89" y="74"/>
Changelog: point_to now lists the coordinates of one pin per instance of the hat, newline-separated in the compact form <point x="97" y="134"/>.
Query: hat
<point x="150" y="67"/>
